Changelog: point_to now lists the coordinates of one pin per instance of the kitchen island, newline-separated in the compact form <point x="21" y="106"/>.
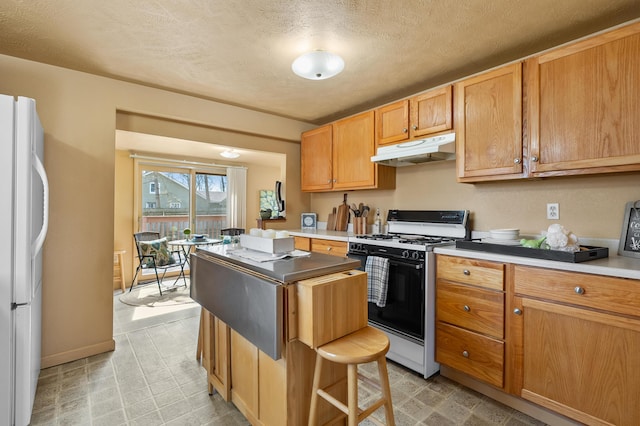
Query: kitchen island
<point x="261" y="322"/>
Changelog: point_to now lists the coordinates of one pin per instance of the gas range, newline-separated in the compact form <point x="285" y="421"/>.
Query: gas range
<point x="418" y="230"/>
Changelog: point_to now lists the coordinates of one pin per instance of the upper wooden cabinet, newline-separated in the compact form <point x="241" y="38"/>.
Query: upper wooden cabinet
<point x="316" y="159"/>
<point x="338" y="157"/>
<point x="424" y="114"/>
<point x="488" y="114"/>
<point x="584" y="106"/>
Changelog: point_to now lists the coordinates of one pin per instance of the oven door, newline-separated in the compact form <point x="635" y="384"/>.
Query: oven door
<point x="404" y="310"/>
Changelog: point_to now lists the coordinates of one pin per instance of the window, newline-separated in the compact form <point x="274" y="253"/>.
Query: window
<point x="149" y="205"/>
<point x="153" y="187"/>
<point x="175" y="205"/>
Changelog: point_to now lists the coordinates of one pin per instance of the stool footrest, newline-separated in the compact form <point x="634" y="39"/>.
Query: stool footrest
<point x="334" y="401"/>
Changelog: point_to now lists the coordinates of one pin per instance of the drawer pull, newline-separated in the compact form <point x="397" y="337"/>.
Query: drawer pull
<point x="466" y="308"/>
<point x="579" y="290"/>
<point x="466" y="272"/>
<point x="465" y="354"/>
<point x="329" y="248"/>
<point x="517" y="311"/>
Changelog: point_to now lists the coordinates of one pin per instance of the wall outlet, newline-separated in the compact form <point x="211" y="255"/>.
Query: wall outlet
<point x="553" y="211"/>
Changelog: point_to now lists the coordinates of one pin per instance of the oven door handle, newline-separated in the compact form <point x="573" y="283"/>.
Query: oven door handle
<point x="411" y="265"/>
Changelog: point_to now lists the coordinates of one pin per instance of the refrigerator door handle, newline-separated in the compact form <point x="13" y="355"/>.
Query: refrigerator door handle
<point x="39" y="241"/>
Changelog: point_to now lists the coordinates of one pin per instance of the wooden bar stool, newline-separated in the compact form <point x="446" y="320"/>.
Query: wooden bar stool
<point x="360" y="347"/>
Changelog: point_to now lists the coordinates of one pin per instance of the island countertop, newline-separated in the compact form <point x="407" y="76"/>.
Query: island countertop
<point x="288" y="270"/>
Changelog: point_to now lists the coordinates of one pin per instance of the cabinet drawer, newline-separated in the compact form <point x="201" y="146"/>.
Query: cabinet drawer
<point x="302" y="243"/>
<point x="472" y="308"/>
<point x="619" y="295"/>
<point x="468" y="271"/>
<point x="335" y="248"/>
<point x="479" y="356"/>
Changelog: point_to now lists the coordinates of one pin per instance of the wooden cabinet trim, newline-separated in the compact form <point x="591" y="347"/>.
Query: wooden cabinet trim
<point x="441" y="119"/>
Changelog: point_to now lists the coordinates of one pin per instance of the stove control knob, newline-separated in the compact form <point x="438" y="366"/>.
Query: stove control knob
<point x="405" y="254"/>
<point x="415" y="255"/>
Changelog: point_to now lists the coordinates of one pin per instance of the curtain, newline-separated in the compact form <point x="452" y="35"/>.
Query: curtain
<point x="236" y="197"/>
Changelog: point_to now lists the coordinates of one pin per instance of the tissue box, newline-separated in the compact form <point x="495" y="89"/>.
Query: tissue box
<point x="267" y="245"/>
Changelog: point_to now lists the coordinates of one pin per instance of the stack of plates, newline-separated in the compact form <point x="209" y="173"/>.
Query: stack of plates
<point x="503" y="236"/>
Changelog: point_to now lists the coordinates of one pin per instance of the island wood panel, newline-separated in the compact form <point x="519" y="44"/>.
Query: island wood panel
<point x="469" y="271"/>
<point x="488" y="112"/>
<point x="472" y="308"/>
<point x="331" y="306"/>
<point x="244" y="377"/>
<point x="581" y="363"/>
<point x="583" y="106"/>
<point x="216" y="353"/>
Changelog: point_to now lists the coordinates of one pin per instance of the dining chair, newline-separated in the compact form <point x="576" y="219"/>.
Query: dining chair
<point x="153" y="253"/>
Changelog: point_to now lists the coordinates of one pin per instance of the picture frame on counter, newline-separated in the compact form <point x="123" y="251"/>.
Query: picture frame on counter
<point x="308" y="221"/>
<point x="630" y="234"/>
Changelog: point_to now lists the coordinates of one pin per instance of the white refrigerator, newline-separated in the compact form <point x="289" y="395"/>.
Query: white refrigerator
<point x="24" y="196"/>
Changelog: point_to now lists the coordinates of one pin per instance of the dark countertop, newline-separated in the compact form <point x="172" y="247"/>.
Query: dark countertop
<point x="286" y="270"/>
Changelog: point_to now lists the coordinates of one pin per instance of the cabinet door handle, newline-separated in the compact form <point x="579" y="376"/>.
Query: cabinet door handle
<point x="534" y="159"/>
<point x="466" y="272"/>
<point x="329" y="181"/>
<point x="465" y="354"/>
<point x="517" y="311"/>
<point x="415" y="127"/>
<point x="405" y="130"/>
<point x="466" y="308"/>
<point x="579" y="290"/>
<point x="516" y="161"/>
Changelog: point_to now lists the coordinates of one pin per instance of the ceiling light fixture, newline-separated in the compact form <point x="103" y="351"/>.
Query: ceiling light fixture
<point x="230" y="153"/>
<point x="318" y="65"/>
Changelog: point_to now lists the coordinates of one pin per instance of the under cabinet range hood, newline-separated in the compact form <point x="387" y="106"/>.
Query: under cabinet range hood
<point x="436" y="148"/>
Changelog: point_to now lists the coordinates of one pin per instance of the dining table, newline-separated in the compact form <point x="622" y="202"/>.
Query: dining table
<point x="187" y="245"/>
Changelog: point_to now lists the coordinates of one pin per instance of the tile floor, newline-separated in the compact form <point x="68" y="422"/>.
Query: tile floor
<point x="153" y="378"/>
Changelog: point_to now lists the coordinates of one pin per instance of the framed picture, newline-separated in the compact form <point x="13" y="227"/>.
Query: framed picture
<point x="630" y="235"/>
<point x="308" y="221"/>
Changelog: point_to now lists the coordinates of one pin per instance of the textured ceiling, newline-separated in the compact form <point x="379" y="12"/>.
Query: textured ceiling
<point x="240" y="52"/>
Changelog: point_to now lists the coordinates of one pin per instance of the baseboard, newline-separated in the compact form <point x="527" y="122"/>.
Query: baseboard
<point x="76" y="354"/>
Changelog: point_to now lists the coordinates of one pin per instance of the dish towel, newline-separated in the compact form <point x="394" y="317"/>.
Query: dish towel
<point x="377" y="269"/>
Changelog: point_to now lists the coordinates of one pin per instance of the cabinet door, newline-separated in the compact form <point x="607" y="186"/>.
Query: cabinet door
<point x="392" y="123"/>
<point x="244" y="376"/>
<point x="584" y="106"/>
<point x="489" y="125"/>
<point x="581" y="363"/>
<point x="431" y="112"/>
<point x="353" y="148"/>
<point x="316" y="156"/>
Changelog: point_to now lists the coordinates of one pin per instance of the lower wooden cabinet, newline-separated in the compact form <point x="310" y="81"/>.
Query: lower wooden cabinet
<point x="579" y="358"/>
<point x="470" y="317"/>
<point x="320" y="245"/>
<point x="565" y="341"/>
<point x="475" y="354"/>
